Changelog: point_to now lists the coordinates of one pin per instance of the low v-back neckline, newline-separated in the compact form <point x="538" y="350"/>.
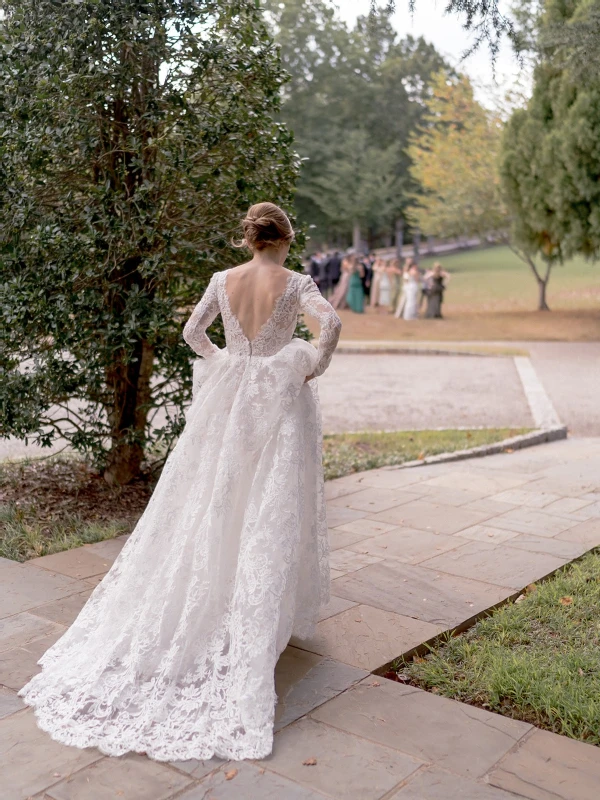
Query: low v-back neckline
<point x="263" y="325"/>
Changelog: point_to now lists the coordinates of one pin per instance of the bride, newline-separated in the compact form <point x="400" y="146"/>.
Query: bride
<point x="174" y="653"/>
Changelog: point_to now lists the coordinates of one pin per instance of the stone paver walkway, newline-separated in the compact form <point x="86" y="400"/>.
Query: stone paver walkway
<point x="415" y="552"/>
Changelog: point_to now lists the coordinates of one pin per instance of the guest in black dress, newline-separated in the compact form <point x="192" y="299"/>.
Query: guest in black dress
<point x="434" y="291"/>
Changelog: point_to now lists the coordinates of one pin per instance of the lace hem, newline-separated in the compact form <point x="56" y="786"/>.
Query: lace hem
<point x="175" y="651"/>
<point x="260" y="744"/>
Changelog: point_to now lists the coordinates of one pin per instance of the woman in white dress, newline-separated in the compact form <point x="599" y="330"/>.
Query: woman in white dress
<point x="385" y="286"/>
<point x="174" y="653"/>
<point x="399" y="313"/>
<point x="378" y="269"/>
<point x="412" y="290"/>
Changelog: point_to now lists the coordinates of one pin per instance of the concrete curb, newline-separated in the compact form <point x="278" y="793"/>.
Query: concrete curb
<point x="514" y="443"/>
<point x="543" y="412"/>
<point x="435" y="348"/>
<point x="409" y="351"/>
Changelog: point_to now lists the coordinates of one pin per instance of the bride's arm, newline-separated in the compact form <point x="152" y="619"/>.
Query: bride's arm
<point x="202" y="316"/>
<point x="312" y="302"/>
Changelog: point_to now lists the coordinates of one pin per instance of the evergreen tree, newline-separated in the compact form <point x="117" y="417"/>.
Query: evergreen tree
<point x="134" y="133"/>
<point x="343" y="82"/>
<point x="551" y="155"/>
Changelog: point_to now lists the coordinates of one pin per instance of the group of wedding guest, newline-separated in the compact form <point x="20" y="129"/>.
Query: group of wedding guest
<point x="350" y="281"/>
<point x="350" y="291"/>
<point x="419" y="287"/>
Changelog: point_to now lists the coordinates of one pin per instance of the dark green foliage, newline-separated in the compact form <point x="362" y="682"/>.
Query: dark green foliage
<point x="576" y="45"/>
<point x="134" y="134"/>
<point x="551" y="153"/>
<point x="354" y="98"/>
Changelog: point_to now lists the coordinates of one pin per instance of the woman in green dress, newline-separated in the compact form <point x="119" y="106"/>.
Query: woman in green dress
<point x="356" y="295"/>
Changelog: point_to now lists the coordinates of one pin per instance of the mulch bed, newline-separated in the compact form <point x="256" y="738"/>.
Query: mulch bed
<point x="60" y="487"/>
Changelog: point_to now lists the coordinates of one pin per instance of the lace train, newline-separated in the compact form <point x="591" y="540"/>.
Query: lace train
<point x="174" y="653"/>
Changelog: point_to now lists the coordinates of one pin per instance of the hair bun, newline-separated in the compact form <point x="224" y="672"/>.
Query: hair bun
<point x="259" y="222"/>
<point x="266" y="224"/>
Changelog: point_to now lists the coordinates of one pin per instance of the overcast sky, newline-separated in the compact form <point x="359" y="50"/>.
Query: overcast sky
<point x="448" y="36"/>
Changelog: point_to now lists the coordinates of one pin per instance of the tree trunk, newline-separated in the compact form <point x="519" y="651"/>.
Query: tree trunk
<point x="130" y="385"/>
<point x="356" y="241"/>
<point x="399" y="237"/>
<point x="416" y="245"/>
<point x="542" y="286"/>
<point x="542" y="282"/>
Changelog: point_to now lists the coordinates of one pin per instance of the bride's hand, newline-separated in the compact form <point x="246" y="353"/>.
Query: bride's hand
<point x="308" y="378"/>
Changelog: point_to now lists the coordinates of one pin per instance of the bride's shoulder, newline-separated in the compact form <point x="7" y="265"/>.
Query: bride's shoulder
<point x="301" y="278"/>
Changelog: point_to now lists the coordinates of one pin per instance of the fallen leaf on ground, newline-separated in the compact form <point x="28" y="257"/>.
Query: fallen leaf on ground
<point x="580" y="671"/>
<point x="375" y="683"/>
<point x="391" y="675"/>
<point x="531" y="588"/>
<point x="310" y="762"/>
<point x="565" y="601"/>
<point x="231" y="774"/>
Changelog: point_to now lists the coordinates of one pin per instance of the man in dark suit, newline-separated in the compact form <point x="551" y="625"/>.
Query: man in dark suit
<point x="334" y="268"/>
<point x="367" y="275"/>
<point x="314" y="266"/>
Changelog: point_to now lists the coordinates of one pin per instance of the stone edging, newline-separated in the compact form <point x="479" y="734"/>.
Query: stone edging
<point x="515" y="443"/>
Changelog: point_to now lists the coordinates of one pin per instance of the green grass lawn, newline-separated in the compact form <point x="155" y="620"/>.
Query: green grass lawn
<point x="492" y="297"/>
<point x="344" y="453"/>
<point x="536" y="660"/>
<point x="494" y="278"/>
<point x="24" y="534"/>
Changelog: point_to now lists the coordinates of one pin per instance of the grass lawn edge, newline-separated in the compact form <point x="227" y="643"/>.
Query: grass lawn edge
<point x="412" y="668"/>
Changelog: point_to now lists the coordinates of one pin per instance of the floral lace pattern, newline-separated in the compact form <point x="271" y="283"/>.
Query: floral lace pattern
<point x="174" y="652"/>
<point x="300" y="295"/>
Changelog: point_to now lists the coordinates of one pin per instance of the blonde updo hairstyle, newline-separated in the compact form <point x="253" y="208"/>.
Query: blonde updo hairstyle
<point x="266" y="224"/>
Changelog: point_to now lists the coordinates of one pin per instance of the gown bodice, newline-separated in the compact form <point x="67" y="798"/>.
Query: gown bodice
<point x="301" y="295"/>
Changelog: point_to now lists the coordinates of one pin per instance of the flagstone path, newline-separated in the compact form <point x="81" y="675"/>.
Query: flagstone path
<point x="415" y="552"/>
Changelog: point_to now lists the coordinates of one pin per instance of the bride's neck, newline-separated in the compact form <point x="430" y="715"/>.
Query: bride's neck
<point x="270" y="256"/>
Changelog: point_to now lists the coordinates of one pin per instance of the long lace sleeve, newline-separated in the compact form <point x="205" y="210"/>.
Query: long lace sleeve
<point x="202" y="316"/>
<point x="312" y="302"/>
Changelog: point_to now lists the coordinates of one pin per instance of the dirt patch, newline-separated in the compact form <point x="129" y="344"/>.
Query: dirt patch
<point x="69" y="487"/>
<point x="568" y="325"/>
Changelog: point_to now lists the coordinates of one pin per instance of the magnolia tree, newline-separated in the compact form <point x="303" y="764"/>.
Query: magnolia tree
<point x="133" y="135"/>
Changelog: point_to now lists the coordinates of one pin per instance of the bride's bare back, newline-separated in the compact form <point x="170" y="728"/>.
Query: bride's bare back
<point x="253" y="290"/>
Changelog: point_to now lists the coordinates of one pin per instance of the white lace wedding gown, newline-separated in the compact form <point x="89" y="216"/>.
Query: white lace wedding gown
<point x="174" y="653"/>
